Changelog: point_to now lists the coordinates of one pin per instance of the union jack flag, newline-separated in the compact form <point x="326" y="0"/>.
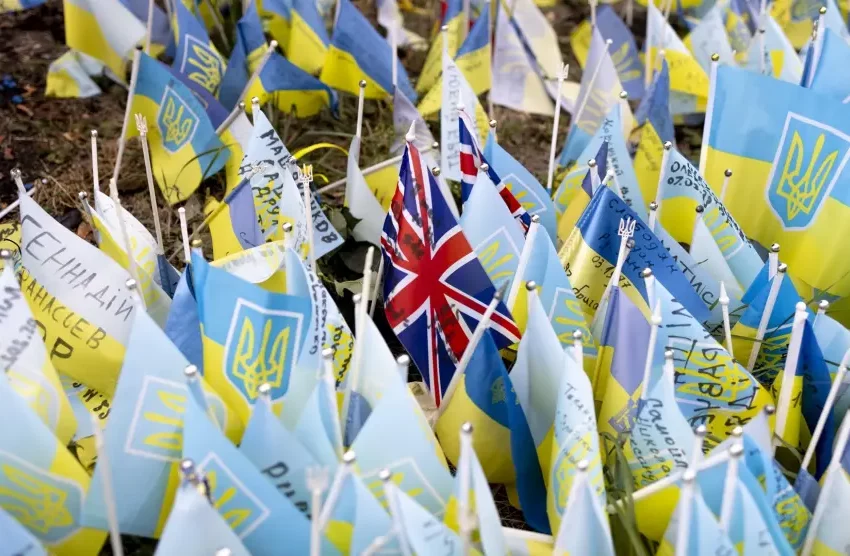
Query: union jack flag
<point x="471" y="159"/>
<point x="435" y="289"/>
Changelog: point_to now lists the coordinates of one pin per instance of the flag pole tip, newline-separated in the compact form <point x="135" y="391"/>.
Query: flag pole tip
<point x="327" y="353"/>
<point x="624" y="95"/>
<point x="653" y="206"/>
<point x="190" y="372"/>
<point x="362" y="83"/>
<point x="715" y="57"/>
<point x="783" y="268"/>
<point x="403" y="360"/>
<point x="531" y="285"/>
<point x="737" y="450"/>
<point x="411" y="133"/>
<point x="800" y="307"/>
<point x="197" y="243"/>
<point x="578" y="335"/>
<point x="738" y="431"/>
<point x="535" y="218"/>
<point x="484" y="167"/>
<point x="689" y="476"/>
<point x="727" y="173"/>
<point x="436" y="171"/>
<point x="583" y="466"/>
<point x="444" y="29"/>
<point x="770" y="409"/>
<point x="646" y="273"/>
<point x="5" y="254"/>
<point x="348" y="458"/>
<point x="668" y="145"/>
<point x="822" y="10"/>
<point x="356" y="298"/>
<point x="700" y="209"/>
<point x="466" y="428"/>
<point x="273" y="44"/>
<point x="701" y="430"/>
<point x="130" y="283"/>
<point x="94" y="133"/>
<point x="668" y="355"/>
<point x="823" y="305"/>
<point x="265" y="389"/>
<point x="492" y="124"/>
<point x="385" y="475"/>
<point x="83" y="195"/>
<point x="774" y="248"/>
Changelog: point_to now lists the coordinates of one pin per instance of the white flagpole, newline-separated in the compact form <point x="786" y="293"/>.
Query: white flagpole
<point x="630" y="13"/>
<point x="386" y="478"/>
<point x="184" y="234"/>
<point x="322" y="518"/>
<point x="524" y="257"/>
<point x="655" y="322"/>
<point x="726" y="175"/>
<point x="482" y="327"/>
<point x="108" y="492"/>
<point x="394" y="52"/>
<point x="317" y="482"/>
<point x="826" y="411"/>
<point x="149" y="27"/>
<point x="84" y="202"/>
<point x="593" y="13"/>
<point x="730" y="485"/>
<point x="142" y="126"/>
<point x="94" y="168"/>
<point x="306" y="177"/>
<point x="665" y="157"/>
<point x="783" y="402"/>
<point x="256" y="75"/>
<point x="132" y="264"/>
<point x="553" y="145"/>
<point x="765" y="316"/>
<point x="709" y="112"/>
<point x="228" y="121"/>
<point x="593" y="76"/>
<point x="134" y="75"/>
<point x="578" y="349"/>
<point x="697" y="220"/>
<point x="683" y="533"/>
<point x="823" y="306"/>
<point x="329" y="377"/>
<point x="13" y="205"/>
<point x="361" y="97"/>
<point x="626" y="231"/>
<point x="373" y="299"/>
<point x="833" y="469"/>
<point x="464" y="476"/>
<point x="727" y="328"/>
<point x="375" y="168"/>
<point x="493" y="130"/>
<point x="653" y="215"/>
<point x="773" y="261"/>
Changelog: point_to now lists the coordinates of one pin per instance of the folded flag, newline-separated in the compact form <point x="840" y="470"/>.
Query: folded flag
<point x="623" y="49"/>
<point x="472" y="497"/>
<point x="430" y="268"/>
<point x="367" y="211"/>
<point x="70" y="76"/>
<point x="184" y="147"/>
<point x="197" y="58"/>
<point x="42" y="484"/>
<point x="291" y="89"/>
<point x="780" y="58"/>
<point x="418" y="528"/>
<point x="233" y="222"/>
<point x="145" y="434"/>
<point x="493" y="233"/>
<point x="251" y="336"/>
<point x="541" y="41"/>
<point x="455" y="18"/>
<point x="25" y="362"/>
<point x="67" y="280"/>
<point x="194" y="528"/>
<point x="308" y="41"/>
<point x="276" y="16"/>
<point x="248" y="50"/>
<point x="656" y="128"/>
<point x="584" y="527"/>
<point x="705" y="535"/>
<point x="358" y="52"/>
<point x="522" y="184"/>
<point x="517" y="80"/>
<point x="103" y="29"/>
<point x="183" y="327"/>
<point x="600" y="91"/>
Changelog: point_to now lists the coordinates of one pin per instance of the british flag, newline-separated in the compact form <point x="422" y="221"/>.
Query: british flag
<point x="471" y="159"/>
<point x="435" y="289"/>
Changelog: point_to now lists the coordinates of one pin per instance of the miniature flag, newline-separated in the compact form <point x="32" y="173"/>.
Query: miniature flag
<point x="194" y="528"/>
<point x="233" y="222"/>
<point x="826" y="79"/>
<point x="780" y="58"/>
<point x="248" y="50"/>
<point x="184" y="147"/>
<point x="251" y="336"/>
<point x="623" y="50"/>
<point x="391" y="19"/>
<point x="584" y="527"/>
<point x="25" y="362"/>
<point x="420" y="529"/>
<point x="183" y="326"/>
<point x="709" y="37"/>
<point x="145" y="433"/>
<point x="493" y="233"/>
<point x="61" y="270"/>
<point x="361" y="202"/>
<point x="276" y="16"/>
<point x="69" y="76"/>
<point x="197" y="58"/>
<point x="794" y="137"/>
<point x="263" y="265"/>
<point x="307" y="46"/>
<point x="42" y="484"/>
<point x="705" y="535"/>
<point x="541" y="42"/>
<point x="358" y="52"/>
<point x="455" y="18"/>
<point x="579" y="184"/>
<point x="656" y="121"/>
<point x="103" y="29"/>
<point x="17" y="539"/>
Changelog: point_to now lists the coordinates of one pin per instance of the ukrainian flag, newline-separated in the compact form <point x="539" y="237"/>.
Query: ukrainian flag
<point x="69" y="76"/>
<point x="579" y="183"/>
<point x="454" y="17"/>
<point x="291" y="89"/>
<point x="705" y="535"/>
<point x="251" y="336"/>
<point x="584" y="528"/>
<point x="308" y="40"/>
<point x="233" y="222"/>
<point x="42" y="484"/>
<point x="782" y="61"/>
<point x="197" y="58"/>
<point x="248" y="50"/>
<point x="144" y="439"/>
<point x="103" y="29"/>
<point x="184" y="147"/>
<point x="21" y="5"/>
<point x="623" y="49"/>
<point x="276" y="16"/>
<point x="797" y="144"/>
<point x="357" y="53"/>
<point x="656" y="121"/>
<point x="828" y="78"/>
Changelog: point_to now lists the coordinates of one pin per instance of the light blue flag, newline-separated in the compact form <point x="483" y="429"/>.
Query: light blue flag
<point x="144" y="436"/>
<point x="624" y="50"/>
<point x="397" y="437"/>
<point x="358" y="509"/>
<point x="780" y="57"/>
<point x="279" y="456"/>
<point x="194" y="528"/>
<point x="828" y="77"/>
<point x="600" y="90"/>
<point x="421" y="531"/>
<point x="705" y="538"/>
<point x="17" y="540"/>
<point x="832" y="535"/>
<point x="555" y="292"/>
<point x="197" y="58"/>
<point x="492" y="232"/>
<point x="263" y="518"/>
<point x="183" y="327"/>
<point x="834" y="342"/>
<point x="709" y="37"/>
<point x="250" y="42"/>
<point x="522" y="183"/>
<point x="318" y="428"/>
<point x="584" y="527"/>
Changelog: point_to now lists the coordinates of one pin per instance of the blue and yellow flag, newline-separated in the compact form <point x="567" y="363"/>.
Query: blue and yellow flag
<point x="420" y="529"/>
<point x="308" y="41"/>
<point x="292" y="89"/>
<point x="709" y="37"/>
<point x="579" y="184"/>
<point x="262" y="516"/>
<point x="797" y="145"/>
<point x="233" y="222"/>
<point x="145" y="435"/>
<point x="481" y="399"/>
<point x="193" y="513"/>
<point x="623" y="49"/>
<point x="780" y="59"/>
<point x="42" y="484"/>
<point x="474" y="55"/>
<point x="197" y="58"/>
<point x="103" y="29"/>
<point x="358" y="52"/>
<point x="826" y="77"/>
<point x="183" y="327"/>
<point x="70" y="76"/>
<point x="251" y="336"/>
<point x="705" y="535"/>
<point x="17" y="539"/>
<point x="184" y="147"/>
<point x="248" y="50"/>
<point x="19" y="6"/>
<point x="584" y="527"/>
<point x="455" y="18"/>
<point x="656" y="128"/>
<point x="277" y="19"/>
<point x="522" y="184"/>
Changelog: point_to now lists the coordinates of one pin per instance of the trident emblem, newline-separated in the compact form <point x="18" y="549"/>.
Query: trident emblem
<point x="626" y="229"/>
